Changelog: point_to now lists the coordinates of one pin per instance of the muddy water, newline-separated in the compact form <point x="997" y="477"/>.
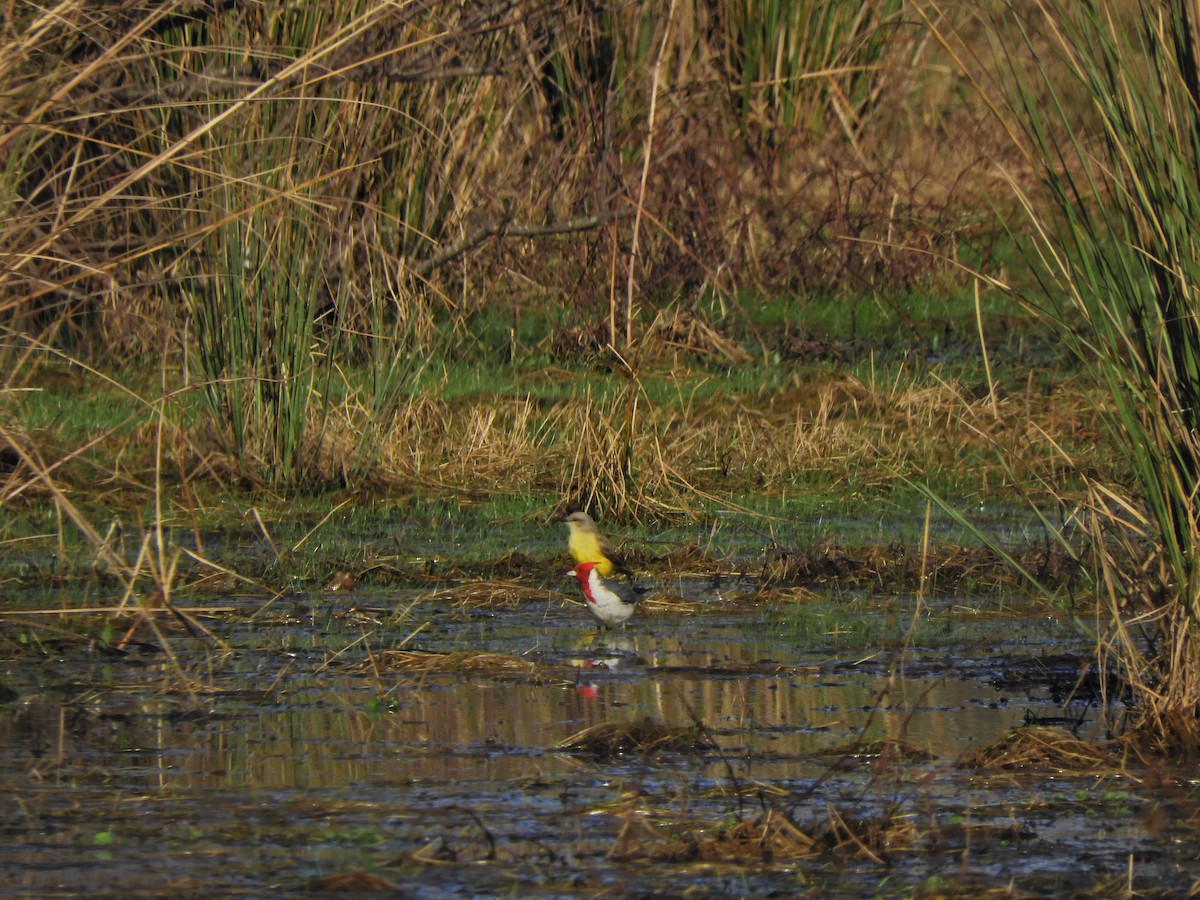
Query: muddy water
<point x="290" y="756"/>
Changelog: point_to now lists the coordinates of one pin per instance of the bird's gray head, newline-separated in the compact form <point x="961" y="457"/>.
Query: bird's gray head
<point x="582" y="519"/>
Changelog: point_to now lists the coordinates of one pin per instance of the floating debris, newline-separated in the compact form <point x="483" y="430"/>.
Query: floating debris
<point x="647" y="736"/>
<point x="772" y="837"/>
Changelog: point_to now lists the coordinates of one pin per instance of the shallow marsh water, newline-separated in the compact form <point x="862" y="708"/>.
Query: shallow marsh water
<point x="296" y="753"/>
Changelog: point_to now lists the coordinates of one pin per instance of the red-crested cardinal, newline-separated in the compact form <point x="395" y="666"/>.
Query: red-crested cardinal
<point x="610" y="601"/>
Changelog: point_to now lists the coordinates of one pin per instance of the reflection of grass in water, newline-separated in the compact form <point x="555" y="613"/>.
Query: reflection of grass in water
<point x="840" y="623"/>
<point x="419" y="663"/>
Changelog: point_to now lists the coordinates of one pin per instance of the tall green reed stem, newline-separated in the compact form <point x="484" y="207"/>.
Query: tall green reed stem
<point x="1102" y="97"/>
<point x="254" y="329"/>
<point x="804" y="64"/>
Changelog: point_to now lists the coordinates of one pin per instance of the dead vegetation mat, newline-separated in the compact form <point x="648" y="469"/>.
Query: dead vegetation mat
<point x="647" y="736"/>
<point x="773" y="836"/>
<point x="490" y="594"/>
<point x="1043" y="748"/>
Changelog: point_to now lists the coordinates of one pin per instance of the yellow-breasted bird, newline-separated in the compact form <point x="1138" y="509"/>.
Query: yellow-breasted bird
<point x="587" y="545"/>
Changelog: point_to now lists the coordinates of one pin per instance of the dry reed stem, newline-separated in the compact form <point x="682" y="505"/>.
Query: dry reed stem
<point x="480" y="137"/>
<point x="773" y="836"/>
<point x="659" y="604"/>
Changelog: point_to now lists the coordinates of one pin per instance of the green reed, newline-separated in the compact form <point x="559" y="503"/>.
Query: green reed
<point x="1101" y="97"/>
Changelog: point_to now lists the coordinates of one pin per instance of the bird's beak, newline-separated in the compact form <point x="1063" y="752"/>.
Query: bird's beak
<point x="573" y="574"/>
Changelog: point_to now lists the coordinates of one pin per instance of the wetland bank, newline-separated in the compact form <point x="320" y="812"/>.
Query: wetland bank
<point x="868" y="330"/>
<point x="443" y="721"/>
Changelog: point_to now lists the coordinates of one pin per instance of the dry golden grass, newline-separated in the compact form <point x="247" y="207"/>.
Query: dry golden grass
<point x="490" y="595"/>
<point x="771" y="837"/>
<point x="617" y="457"/>
<point x="677" y="332"/>
<point x="626" y="456"/>
<point x="1042" y="748"/>
<point x="667" y="605"/>
<point x="493" y="442"/>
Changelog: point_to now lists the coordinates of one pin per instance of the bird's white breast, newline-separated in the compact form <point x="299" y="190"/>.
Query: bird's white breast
<point x="606" y="604"/>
